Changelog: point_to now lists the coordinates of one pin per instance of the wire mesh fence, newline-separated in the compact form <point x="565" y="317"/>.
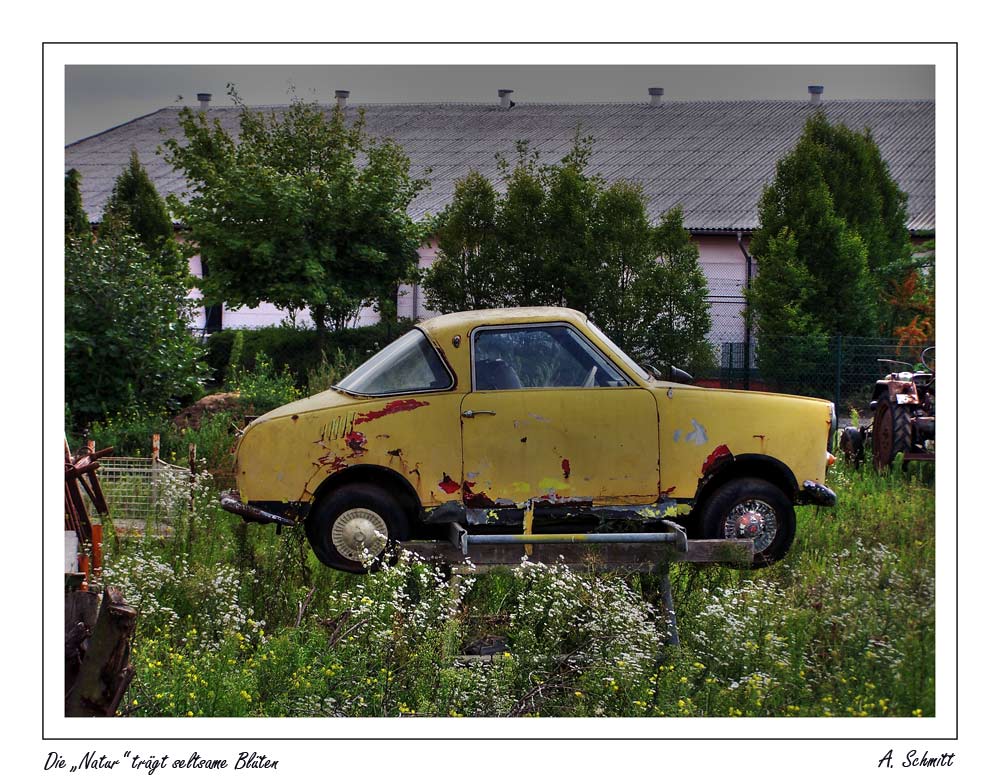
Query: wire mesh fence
<point x="145" y="494"/>
<point x="842" y="368"/>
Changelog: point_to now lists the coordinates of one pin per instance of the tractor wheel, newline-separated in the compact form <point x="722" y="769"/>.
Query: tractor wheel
<point x="891" y="432"/>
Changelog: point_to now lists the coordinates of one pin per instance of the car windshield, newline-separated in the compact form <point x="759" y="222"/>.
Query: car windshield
<point x="408" y="365"/>
<point x="619" y="352"/>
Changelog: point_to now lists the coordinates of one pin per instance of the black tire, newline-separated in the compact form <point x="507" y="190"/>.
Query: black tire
<point x="344" y="521"/>
<point x="852" y="446"/>
<point x="751" y="508"/>
<point x="891" y="432"/>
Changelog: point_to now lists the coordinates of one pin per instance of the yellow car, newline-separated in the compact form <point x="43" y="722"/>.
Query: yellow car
<point x="477" y="417"/>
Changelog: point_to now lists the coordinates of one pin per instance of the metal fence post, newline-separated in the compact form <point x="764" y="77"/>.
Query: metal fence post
<point x="840" y="361"/>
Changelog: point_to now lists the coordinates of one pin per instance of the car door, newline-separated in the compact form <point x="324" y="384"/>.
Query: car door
<point x="551" y="418"/>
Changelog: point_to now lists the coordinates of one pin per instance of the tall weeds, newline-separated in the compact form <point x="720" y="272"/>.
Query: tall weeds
<point x="236" y="622"/>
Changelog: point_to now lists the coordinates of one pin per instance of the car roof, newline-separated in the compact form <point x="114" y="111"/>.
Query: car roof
<point x="463" y="322"/>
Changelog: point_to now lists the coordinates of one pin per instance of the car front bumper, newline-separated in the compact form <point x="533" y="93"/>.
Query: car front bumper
<point x="230" y="501"/>
<point x="813" y="493"/>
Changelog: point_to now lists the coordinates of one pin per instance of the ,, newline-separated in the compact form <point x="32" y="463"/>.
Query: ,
<point x="503" y="419"/>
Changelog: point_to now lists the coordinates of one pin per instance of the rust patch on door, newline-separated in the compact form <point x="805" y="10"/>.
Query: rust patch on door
<point x="396" y="406"/>
<point x="448" y="486"/>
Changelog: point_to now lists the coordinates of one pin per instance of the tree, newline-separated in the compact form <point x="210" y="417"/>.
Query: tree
<point x="834" y="202"/>
<point x="76" y="221"/>
<point x="678" y="288"/>
<point x="911" y="300"/>
<point x="571" y="259"/>
<point x="561" y="236"/>
<point x="521" y="228"/>
<point x="127" y="343"/>
<point x="135" y="206"/>
<point x="304" y="211"/>
<point x="627" y="304"/>
<point x="791" y="343"/>
<point x="466" y="274"/>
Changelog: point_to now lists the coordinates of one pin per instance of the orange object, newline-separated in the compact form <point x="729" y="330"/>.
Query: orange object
<point x="97" y="537"/>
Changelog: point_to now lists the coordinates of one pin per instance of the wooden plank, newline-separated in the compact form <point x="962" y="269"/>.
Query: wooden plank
<point x="104" y="672"/>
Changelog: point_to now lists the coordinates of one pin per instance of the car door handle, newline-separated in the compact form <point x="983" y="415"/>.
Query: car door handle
<point x="474" y="413"/>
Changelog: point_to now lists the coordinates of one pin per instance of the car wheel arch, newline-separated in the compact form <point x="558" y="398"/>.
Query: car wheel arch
<point x="748" y="465"/>
<point x="390" y="480"/>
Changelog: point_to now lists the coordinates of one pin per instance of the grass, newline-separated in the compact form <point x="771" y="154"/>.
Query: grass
<point x="235" y="621"/>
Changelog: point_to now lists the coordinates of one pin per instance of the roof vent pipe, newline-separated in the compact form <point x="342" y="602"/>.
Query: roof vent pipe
<point x="505" y="101"/>
<point x="342" y="96"/>
<point x="204" y="98"/>
<point x="655" y="96"/>
<point x="815" y="94"/>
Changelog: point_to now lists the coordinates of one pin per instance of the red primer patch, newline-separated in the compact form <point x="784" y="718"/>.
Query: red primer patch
<point x="448" y="486"/>
<point x="671" y="490"/>
<point x="722" y="452"/>
<point x="565" y="468"/>
<point x="356" y="441"/>
<point x="475" y="499"/>
<point x="396" y="406"/>
<point x="333" y="463"/>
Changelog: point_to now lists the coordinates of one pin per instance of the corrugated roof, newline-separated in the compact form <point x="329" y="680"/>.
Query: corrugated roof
<point x="712" y="157"/>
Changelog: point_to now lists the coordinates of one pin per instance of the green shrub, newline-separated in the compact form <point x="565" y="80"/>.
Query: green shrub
<point x="326" y="372"/>
<point x="263" y="387"/>
<point x="127" y="343"/>
<point x="296" y="348"/>
<point x="130" y="433"/>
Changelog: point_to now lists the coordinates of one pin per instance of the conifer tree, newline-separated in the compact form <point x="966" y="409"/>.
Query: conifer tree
<point x="136" y="206"/>
<point x="76" y="221"/>
<point x="833" y="199"/>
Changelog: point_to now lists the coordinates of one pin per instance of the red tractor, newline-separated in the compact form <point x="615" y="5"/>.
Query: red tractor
<point x="903" y="403"/>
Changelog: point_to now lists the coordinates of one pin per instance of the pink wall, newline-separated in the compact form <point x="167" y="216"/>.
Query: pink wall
<point x="262" y="315"/>
<point x="725" y="267"/>
<point x="407" y="307"/>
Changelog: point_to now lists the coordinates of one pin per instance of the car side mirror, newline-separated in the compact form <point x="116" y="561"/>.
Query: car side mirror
<point x="679" y="376"/>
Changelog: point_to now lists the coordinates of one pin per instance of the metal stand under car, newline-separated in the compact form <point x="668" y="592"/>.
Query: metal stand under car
<point x="635" y="552"/>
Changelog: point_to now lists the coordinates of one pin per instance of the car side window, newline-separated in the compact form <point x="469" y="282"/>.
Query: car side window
<point x="540" y="357"/>
<point x="408" y="365"/>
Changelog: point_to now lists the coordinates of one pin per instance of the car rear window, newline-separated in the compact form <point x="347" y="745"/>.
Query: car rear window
<point x="408" y="365"/>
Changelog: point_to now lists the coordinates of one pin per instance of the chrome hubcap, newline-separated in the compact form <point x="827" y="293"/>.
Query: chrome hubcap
<point x="753" y="519"/>
<point x="359" y="533"/>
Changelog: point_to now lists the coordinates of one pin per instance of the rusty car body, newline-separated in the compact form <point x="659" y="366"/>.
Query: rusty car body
<point x="502" y="419"/>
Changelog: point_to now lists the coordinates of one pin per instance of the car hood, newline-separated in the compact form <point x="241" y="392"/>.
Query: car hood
<point x="321" y="401"/>
<point x="666" y="384"/>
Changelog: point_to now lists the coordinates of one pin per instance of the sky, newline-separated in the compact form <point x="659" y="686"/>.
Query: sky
<point x="99" y="97"/>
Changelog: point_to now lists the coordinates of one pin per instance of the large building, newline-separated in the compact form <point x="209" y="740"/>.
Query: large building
<point x="711" y="157"/>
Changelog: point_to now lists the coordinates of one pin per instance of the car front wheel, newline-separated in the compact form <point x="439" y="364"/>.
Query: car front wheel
<point x="354" y="527"/>
<point x="751" y="508"/>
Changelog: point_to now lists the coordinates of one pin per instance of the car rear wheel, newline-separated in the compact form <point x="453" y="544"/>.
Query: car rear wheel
<point x="755" y="509"/>
<point x="354" y="527"/>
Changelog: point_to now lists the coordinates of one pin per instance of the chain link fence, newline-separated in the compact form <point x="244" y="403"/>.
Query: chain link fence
<point x="841" y="368"/>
